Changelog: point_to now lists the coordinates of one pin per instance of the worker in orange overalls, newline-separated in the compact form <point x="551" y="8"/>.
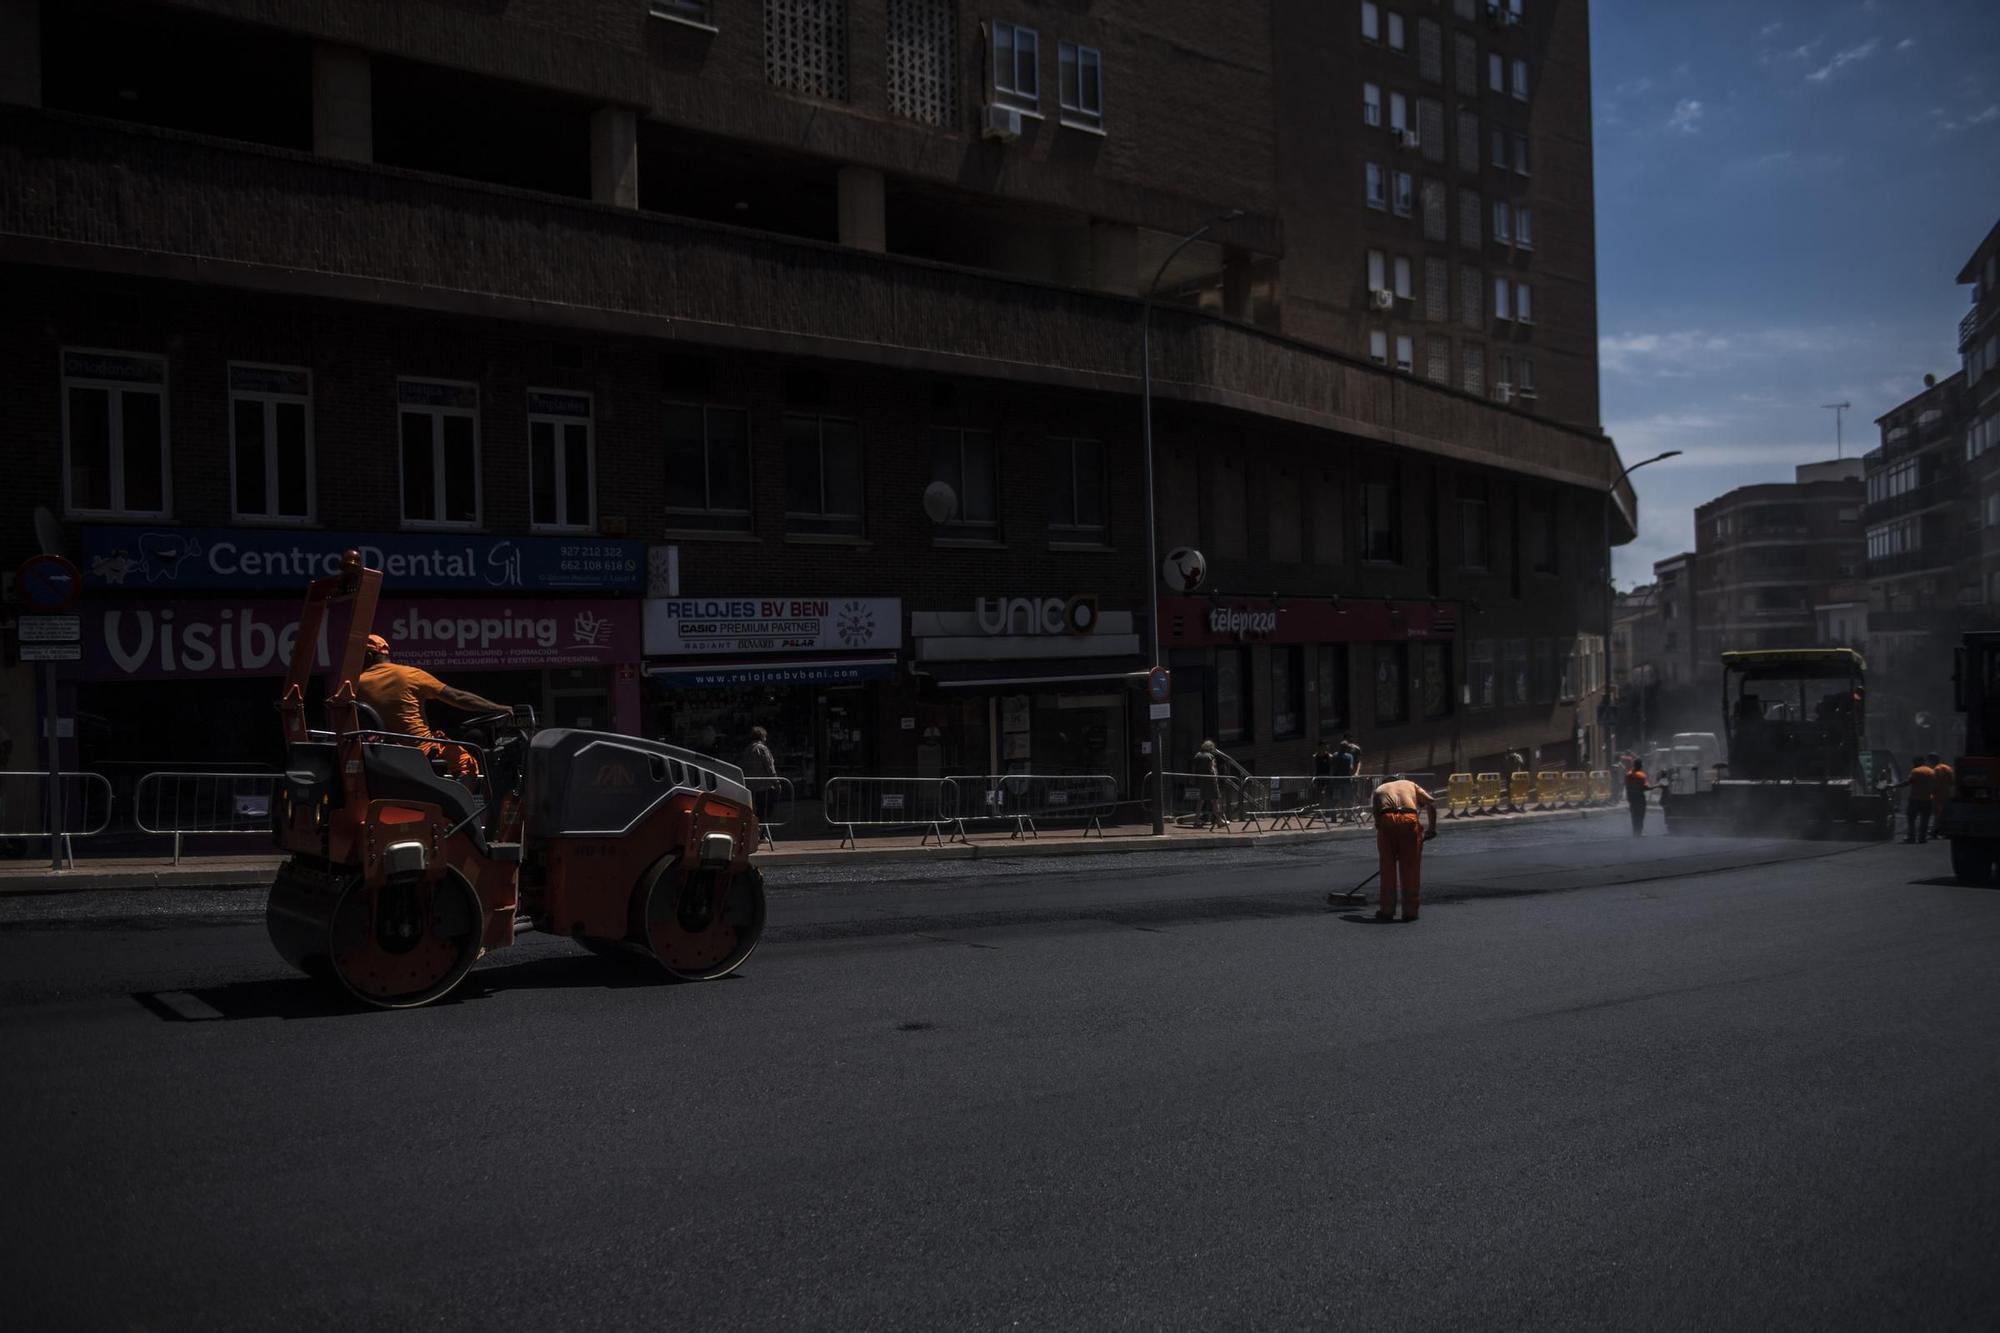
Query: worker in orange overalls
<point x="399" y="694"/>
<point x="1922" y="783"/>
<point x="1400" y="843"/>
<point x="1637" y="784"/>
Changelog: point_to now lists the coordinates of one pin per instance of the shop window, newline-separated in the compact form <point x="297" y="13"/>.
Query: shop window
<point x="115" y="433"/>
<point x="270" y="442"/>
<point x="963" y="460"/>
<point x="1545" y="670"/>
<point x="1326" y="500"/>
<point x="1077" y="511"/>
<point x="1232" y="694"/>
<point x="1392" y="699"/>
<point x="1381" y="530"/>
<point x="1228" y="508"/>
<point x="823" y="476"/>
<point x="1473" y="524"/>
<point x="1332" y="689"/>
<point x="1288" y="712"/>
<point x="1544" y="533"/>
<point x="1436" y="681"/>
<point x="561" y="465"/>
<point x="439" y="421"/>
<point x="1515" y="673"/>
<point x="1481" y="675"/>
<point x="708" y="468"/>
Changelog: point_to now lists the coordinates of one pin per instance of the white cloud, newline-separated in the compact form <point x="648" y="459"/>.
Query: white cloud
<point x="1677" y="352"/>
<point x="1633" y="87"/>
<point x="1906" y="44"/>
<point x="1842" y="59"/>
<point x="1686" y="116"/>
<point x="1981" y="117"/>
<point x="1770" y="29"/>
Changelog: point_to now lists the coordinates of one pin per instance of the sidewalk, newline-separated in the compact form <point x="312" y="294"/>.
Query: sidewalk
<point x="255" y="870"/>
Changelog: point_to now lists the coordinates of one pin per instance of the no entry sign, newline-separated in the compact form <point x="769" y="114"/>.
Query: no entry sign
<point x="48" y="584"/>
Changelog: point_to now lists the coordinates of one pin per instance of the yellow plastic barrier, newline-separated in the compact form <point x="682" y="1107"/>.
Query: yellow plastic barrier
<point x="1600" y="787"/>
<point x="1490" y="790"/>
<point x="1576" y="786"/>
<point x="1520" y="790"/>
<point x="1548" y="789"/>
<point x="1458" y="794"/>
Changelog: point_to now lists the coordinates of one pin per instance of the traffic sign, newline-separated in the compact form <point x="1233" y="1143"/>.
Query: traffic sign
<point x="48" y="583"/>
<point x="51" y="652"/>
<point x="1159" y="684"/>
<point x="50" y="629"/>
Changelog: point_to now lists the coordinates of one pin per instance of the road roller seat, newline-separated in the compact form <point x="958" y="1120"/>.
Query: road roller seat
<point x="403" y="772"/>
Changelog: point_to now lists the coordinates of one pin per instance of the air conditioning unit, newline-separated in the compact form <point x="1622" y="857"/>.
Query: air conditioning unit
<point x="1383" y="298"/>
<point x="1504" y="391"/>
<point x="1002" y="123"/>
<point x="1406" y="138"/>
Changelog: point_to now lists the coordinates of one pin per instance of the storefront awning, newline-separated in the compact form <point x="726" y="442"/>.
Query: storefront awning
<point x="1033" y="671"/>
<point x="685" y="675"/>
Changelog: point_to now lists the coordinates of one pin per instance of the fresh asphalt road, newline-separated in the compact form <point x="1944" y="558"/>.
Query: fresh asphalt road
<point x="1603" y="1083"/>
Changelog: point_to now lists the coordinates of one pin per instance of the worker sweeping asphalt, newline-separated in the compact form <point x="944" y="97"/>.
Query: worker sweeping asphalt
<point x="1399" y="846"/>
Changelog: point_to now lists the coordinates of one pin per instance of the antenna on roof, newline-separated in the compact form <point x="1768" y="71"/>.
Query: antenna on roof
<point x="1837" y="409"/>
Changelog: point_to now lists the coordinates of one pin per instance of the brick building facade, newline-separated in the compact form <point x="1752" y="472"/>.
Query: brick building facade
<point x="723" y="291"/>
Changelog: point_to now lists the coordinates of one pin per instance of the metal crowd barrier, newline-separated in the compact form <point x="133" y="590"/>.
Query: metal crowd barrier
<point x="927" y="803"/>
<point x="26" y="810"/>
<point x="1202" y="797"/>
<point x="775" y="801"/>
<point x="178" y="804"/>
<point x="1022" y="798"/>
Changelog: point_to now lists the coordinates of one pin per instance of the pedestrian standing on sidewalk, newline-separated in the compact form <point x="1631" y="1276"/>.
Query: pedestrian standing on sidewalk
<point x="1322" y="774"/>
<point x="1637" y="784"/>
<point x="1917" y="808"/>
<point x="1399" y="843"/>
<point x="757" y="762"/>
<point x="1210" y="778"/>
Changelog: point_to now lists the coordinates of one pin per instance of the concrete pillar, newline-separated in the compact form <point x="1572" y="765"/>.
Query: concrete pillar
<point x="343" y="104"/>
<point x="21" y="52"/>
<point x="1114" y="257"/>
<point x="863" y="212"/>
<point x="1236" y="283"/>
<point x="614" y="156"/>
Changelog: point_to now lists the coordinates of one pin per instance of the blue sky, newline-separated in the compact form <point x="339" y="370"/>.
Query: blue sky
<point x="1785" y="193"/>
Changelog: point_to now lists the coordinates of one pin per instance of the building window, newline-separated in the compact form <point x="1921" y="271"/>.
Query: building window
<point x="1016" y="78"/>
<point x="1465" y="9"/>
<point x="686" y="11"/>
<point x="1503" y="222"/>
<point x="1435" y="661"/>
<point x="1437" y="358"/>
<point x="1520" y="80"/>
<point x="1392" y="696"/>
<point x="1468" y="141"/>
<point x="1437" y="289"/>
<point x="1566" y="689"/>
<point x="1434" y="211"/>
<point x="1469" y="211"/>
<point x="1406" y="354"/>
<point x="1371" y="104"/>
<point x="708" y="468"/>
<point x="1375" y="187"/>
<point x="1471" y="309"/>
<point x="1288" y="678"/>
<point x="1474" y="534"/>
<point x="963" y="460"/>
<point x="439" y="422"/>
<point x="1332" y="688"/>
<point x="1430" y="128"/>
<point x="1232" y="693"/>
<point x="115" y="433"/>
<point x="561" y="466"/>
<point x="1516" y="681"/>
<point x="270" y="442"/>
<point x="1371" y="21"/>
<point x="1502" y="307"/>
<point x="1524" y="227"/>
<point x="1465" y="60"/>
<point x="1504" y="385"/>
<point x="1430" y="51"/>
<point x="1081" y="94"/>
<point x="805" y="46"/>
<point x="1395" y="31"/>
<point x="1544" y="533"/>
<point x="1402" y="287"/>
<point x="1500" y="149"/>
<point x="823" y="476"/>
<point x="1399" y="112"/>
<point x="1496" y="72"/>
<point x="1378" y="270"/>
<point x="1526" y="385"/>
<point x="1521" y="154"/>
<point x="1378" y="346"/>
<point x="1405" y="188"/>
<point x="1381" y="525"/>
<point x="923" y="60"/>
<point x="1524" y="303"/>
<point x="1077" y="508"/>
<point x="1472" y="368"/>
<point x="1481" y="675"/>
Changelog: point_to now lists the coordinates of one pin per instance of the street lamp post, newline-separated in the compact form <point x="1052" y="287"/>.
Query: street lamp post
<point x="1152" y="551"/>
<point x="1610" y="491"/>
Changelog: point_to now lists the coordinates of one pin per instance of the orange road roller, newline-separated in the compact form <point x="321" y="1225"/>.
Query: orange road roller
<point x="408" y="863"/>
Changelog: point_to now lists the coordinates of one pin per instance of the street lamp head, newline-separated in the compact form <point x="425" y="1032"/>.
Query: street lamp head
<point x="1671" y="453"/>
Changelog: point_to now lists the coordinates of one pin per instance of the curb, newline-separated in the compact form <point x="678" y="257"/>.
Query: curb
<point x="257" y="873"/>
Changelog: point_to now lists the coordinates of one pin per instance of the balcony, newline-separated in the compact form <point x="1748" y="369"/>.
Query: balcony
<point x="88" y="193"/>
<point x="1968" y="328"/>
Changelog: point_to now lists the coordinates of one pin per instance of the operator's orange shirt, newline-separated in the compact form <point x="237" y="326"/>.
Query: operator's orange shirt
<point x="399" y="693"/>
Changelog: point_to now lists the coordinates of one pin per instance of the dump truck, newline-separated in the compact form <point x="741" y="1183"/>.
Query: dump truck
<point x="1972" y="811"/>
<point x="1794" y="721"/>
<point x="409" y="858"/>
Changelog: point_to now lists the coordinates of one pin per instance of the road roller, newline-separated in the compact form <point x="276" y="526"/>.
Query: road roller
<point x="411" y="857"/>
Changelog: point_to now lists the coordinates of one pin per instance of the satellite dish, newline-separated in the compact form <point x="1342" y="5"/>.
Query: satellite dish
<point x="940" y="501"/>
<point x="48" y="532"/>
<point x="1185" y="570"/>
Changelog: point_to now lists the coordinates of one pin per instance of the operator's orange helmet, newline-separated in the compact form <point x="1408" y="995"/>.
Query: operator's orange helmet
<point x="378" y="644"/>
